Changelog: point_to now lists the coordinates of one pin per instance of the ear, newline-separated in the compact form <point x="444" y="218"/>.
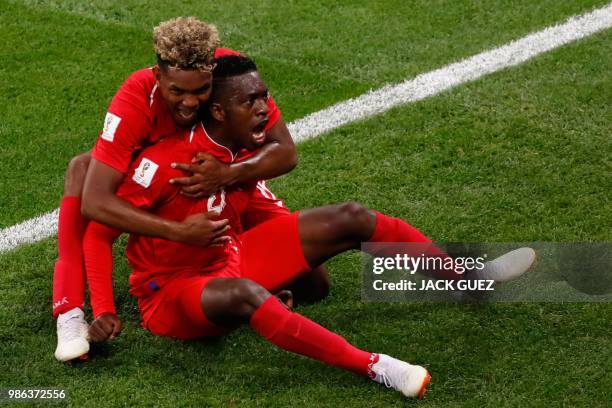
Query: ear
<point x="217" y="112"/>
<point x="157" y="72"/>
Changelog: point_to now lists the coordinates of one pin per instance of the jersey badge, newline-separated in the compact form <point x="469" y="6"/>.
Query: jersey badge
<point x="111" y="122"/>
<point x="144" y="173"/>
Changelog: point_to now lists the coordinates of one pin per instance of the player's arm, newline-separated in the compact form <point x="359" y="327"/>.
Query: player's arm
<point x="126" y="125"/>
<point x="100" y="203"/>
<point x="275" y="158"/>
<point x="98" y="256"/>
<point x="141" y="194"/>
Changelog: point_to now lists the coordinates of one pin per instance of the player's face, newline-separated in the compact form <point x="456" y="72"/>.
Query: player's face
<point x="246" y="109"/>
<point x="185" y="92"/>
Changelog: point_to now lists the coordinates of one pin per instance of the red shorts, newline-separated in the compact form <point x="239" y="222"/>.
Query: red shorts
<point x="271" y="255"/>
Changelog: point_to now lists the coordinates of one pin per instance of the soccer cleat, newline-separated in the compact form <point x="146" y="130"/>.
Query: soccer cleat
<point x="410" y="380"/>
<point x="71" y="335"/>
<point x="507" y="267"/>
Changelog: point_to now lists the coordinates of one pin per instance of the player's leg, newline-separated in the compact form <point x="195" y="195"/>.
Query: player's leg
<point x="233" y="301"/>
<point x="173" y="308"/>
<point x="327" y="231"/>
<point x="278" y="252"/>
<point x="311" y="286"/>
<point x="69" y="274"/>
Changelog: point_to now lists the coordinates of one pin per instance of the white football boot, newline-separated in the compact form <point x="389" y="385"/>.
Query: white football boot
<point x="72" y="335"/>
<point x="410" y="380"/>
<point x="507" y="267"/>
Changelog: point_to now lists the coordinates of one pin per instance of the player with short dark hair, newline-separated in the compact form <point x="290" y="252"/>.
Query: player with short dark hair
<point x="189" y="292"/>
<point x="150" y="105"/>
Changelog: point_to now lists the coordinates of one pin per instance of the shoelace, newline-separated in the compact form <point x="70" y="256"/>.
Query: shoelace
<point x="72" y="330"/>
<point x="386" y="379"/>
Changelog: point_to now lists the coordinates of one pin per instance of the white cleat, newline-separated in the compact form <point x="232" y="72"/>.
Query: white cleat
<point x="508" y="266"/>
<point x="72" y="334"/>
<point x="410" y="380"/>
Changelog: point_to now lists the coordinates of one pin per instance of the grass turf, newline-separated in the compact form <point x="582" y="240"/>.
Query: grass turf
<point x="66" y="60"/>
<point x="519" y="155"/>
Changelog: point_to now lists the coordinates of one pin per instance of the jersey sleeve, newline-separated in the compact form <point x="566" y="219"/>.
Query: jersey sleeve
<point x="98" y="255"/>
<point x="224" y="52"/>
<point x="127" y="123"/>
<point x="273" y="114"/>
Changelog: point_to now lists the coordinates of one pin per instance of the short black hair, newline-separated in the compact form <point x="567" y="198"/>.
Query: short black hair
<point x="233" y="65"/>
<point x="227" y="67"/>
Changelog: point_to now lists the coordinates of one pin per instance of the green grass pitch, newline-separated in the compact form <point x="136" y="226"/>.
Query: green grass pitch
<point x="520" y="155"/>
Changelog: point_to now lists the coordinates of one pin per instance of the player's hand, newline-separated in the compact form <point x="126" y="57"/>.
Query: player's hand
<point x="209" y="175"/>
<point x="286" y="297"/>
<point x="203" y="229"/>
<point x="106" y="327"/>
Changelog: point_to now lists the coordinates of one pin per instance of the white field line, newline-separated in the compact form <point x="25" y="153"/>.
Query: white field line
<point x="32" y="230"/>
<point x="434" y="82"/>
<point x="387" y="97"/>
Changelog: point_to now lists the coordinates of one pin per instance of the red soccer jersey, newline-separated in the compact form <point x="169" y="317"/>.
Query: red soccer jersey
<point x="147" y="186"/>
<point x="138" y="117"/>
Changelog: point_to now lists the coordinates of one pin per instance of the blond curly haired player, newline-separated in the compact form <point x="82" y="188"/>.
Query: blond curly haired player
<point x="151" y="104"/>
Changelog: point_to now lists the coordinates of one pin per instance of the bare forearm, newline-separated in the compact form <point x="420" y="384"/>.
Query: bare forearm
<point x="100" y="203"/>
<point x="272" y="160"/>
<point x="275" y="158"/>
<point x="113" y="211"/>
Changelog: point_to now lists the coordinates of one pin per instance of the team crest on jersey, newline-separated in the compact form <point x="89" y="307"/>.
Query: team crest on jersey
<point x="143" y="175"/>
<point x="111" y="122"/>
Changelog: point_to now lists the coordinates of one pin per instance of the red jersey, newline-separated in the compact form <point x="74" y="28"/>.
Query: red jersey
<point x="138" y="116"/>
<point x="147" y="186"/>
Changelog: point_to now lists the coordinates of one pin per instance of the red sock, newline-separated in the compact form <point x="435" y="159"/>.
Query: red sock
<point x="390" y="229"/>
<point x="293" y="332"/>
<point x="69" y="274"/>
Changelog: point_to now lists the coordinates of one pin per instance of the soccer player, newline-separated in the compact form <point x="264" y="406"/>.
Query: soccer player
<point x="152" y="104"/>
<point x="187" y="292"/>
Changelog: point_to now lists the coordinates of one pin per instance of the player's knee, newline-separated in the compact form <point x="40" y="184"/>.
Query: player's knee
<point x="78" y="164"/>
<point x="75" y="174"/>
<point x="248" y="296"/>
<point x="356" y="218"/>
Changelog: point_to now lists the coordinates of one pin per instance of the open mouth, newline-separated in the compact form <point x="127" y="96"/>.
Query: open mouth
<point x="187" y="115"/>
<point x="259" y="132"/>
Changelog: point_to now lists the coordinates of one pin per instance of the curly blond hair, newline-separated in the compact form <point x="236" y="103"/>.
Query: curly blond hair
<point x="185" y="43"/>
